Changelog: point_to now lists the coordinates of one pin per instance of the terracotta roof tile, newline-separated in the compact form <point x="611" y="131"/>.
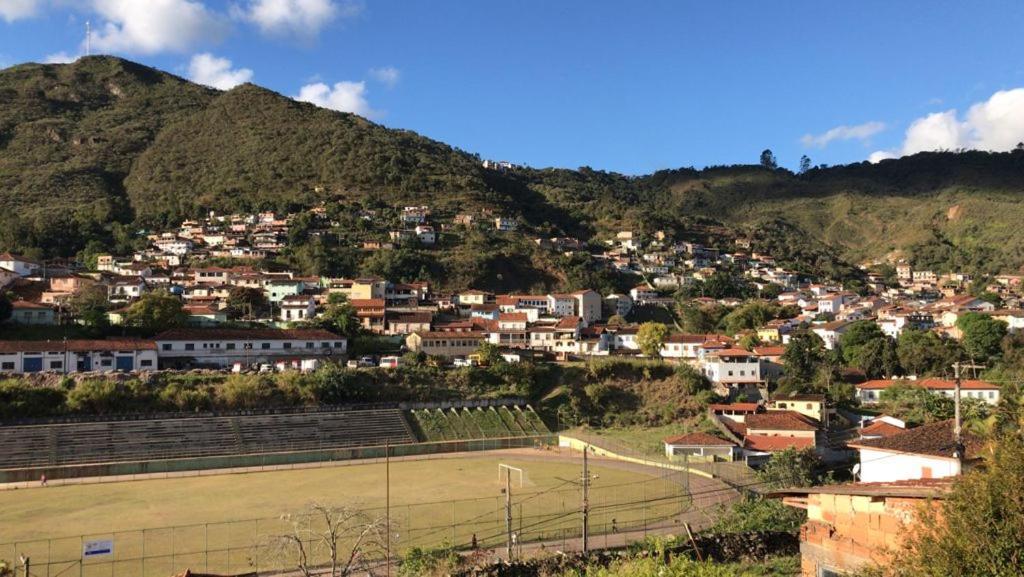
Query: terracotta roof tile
<point x="934" y="439"/>
<point x="781" y="421"/>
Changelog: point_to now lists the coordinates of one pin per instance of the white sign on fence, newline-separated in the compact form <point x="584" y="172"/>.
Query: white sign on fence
<point x="97" y="548"/>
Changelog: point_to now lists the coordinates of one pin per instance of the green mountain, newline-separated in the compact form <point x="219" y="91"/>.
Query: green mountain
<point x="91" y="152"/>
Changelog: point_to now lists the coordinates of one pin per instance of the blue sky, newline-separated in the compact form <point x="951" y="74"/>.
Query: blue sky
<point x="626" y="86"/>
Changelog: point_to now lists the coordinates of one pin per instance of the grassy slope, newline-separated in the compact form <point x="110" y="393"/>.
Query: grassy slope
<point x="104" y="139"/>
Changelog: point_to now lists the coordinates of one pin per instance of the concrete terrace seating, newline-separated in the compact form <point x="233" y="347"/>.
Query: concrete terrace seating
<point x="143" y="440"/>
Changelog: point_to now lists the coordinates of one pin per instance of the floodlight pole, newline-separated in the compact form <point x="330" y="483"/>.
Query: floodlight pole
<point x="586" y="501"/>
<point x="508" y="516"/>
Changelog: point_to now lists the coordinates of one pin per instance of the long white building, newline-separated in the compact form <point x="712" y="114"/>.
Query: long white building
<point x="127" y="355"/>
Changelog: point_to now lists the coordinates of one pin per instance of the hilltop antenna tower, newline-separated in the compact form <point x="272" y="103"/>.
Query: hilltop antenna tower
<point x="88" y="38"/>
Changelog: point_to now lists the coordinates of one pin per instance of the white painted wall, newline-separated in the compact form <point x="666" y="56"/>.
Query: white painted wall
<point x="886" y="466"/>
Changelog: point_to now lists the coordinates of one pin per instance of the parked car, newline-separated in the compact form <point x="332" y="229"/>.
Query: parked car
<point x="367" y="361"/>
<point x="463" y="362"/>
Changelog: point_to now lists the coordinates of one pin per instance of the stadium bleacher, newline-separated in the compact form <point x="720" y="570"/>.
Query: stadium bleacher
<point x="199" y="436"/>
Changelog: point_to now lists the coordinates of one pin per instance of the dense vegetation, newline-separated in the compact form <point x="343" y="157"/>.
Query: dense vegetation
<point x="101" y="148"/>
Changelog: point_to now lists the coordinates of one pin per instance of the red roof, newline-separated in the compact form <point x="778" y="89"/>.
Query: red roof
<point x="245" y="334"/>
<point x="880" y="429"/>
<point x="781" y="421"/>
<point x="766" y="443"/>
<point x="731" y="353"/>
<point x="930" y="384"/>
<point x="698" y="440"/>
<point x="934" y="439"/>
<point x="367" y="303"/>
<point x="769" y="351"/>
<point x="77" y="345"/>
<point x="513" y="317"/>
<point x="568" y="323"/>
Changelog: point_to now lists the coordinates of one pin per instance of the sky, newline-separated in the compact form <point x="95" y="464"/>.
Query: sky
<point x="626" y="86"/>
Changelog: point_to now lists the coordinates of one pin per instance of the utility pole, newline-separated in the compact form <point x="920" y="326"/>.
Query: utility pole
<point x="586" y="501"/>
<point x="958" y="437"/>
<point x="387" y="502"/>
<point x="508" y="516"/>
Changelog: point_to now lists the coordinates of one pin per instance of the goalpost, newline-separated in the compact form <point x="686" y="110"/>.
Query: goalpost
<point x="506" y="471"/>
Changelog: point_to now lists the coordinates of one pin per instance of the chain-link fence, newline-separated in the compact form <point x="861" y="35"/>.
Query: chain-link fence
<point x="552" y="517"/>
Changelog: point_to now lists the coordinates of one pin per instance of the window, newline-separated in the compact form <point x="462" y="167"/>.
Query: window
<point x="166" y="346"/>
<point x="7" y="366"/>
<point x="264" y="346"/>
<point x="146" y="363"/>
<point x="926" y="472"/>
<point x="230" y="346"/>
<point x="287" y="345"/>
<point x="106" y="363"/>
<point x="190" y="346"/>
<point x="325" y="345"/>
<point x="809" y="406"/>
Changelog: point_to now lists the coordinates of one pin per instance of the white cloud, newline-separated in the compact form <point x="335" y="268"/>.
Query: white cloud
<point x="937" y="131"/>
<point x="880" y="155"/>
<point x="388" y="76"/>
<point x="299" y="18"/>
<point x="11" y="10"/>
<point x="861" y="132"/>
<point x="212" y="71"/>
<point x="60" y="58"/>
<point x="343" y="96"/>
<point x="996" y="124"/>
<point x="152" y="26"/>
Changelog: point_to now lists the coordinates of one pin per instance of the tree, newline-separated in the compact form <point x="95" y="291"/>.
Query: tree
<point x="350" y="539"/>
<point x="803" y="355"/>
<point x="340" y="316"/>
<point x="650" y="337"/>
<point x="866" y="347"/>
<point x="768" y="159"/>
<point x="791" y="468"/>
<point x="6" y="308"/>
<point x="925" y="353"/>
<point x="805" y="164"/>
<point x="982" y="335"/>
<point x="758" y="514"/>
<point x="490" y="354"/>
<point x="247" y="302"/>
<point x="90" y="307"/>
<point x="156" y="311"/>
<point x="976" y="528"/>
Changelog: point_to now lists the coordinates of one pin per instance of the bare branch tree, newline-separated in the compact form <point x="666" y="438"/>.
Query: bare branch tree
<point x="342" y="539"/>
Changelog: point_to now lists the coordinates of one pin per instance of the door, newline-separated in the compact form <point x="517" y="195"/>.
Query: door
<point x="125" y="364"/>
<point x="85" y="363"/>
<point x="32" y="364"/>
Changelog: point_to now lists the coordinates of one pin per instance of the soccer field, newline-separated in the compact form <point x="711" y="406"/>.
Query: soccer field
<point x="218" y="518"/>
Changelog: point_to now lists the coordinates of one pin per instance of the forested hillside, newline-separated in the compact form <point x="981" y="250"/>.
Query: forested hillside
<point x="102" y="148"/>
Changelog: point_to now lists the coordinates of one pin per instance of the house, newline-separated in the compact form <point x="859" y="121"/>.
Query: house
<point x="512" y="321"/>
<point x="224" y="347"/>
<point x="371" y="313"/>
<point x="18" y="264"/>
<point x="732" y="370"/>
<point x="830" y="333"/>
<point x="870" y="392"/>
<point x="77" y="356"/>
<point x="277" y="290"/>
<point x="30" y="313"/>
<point x="701" y="447"/>
<point x="505" y="224"/>
<point x="403" y="323"/>
<point x="734" y="411"/>
<point x="126" y="288"/>
<point x="616" y="304"/>
<point x="925" y="452"/>
<point x="445" y="344"/>
<point x="642" y="293"/>
<point x="201" y="315"/>
<point x="855" y="526"/>
<point x="295" y="308"/>
<point x="812" y="406"/>
<point x="587" y="305"/>
<point x="425" y="234"/>
<point x="561" y="305"/>
<point x="474" y="297"/>
<point x="7" y="277"/>
<point x="774" y="431"/>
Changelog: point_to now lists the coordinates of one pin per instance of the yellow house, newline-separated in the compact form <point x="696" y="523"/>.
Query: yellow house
<point x="813" y="406"/>
<point x="769" y="334"/>
<point x="445" y="344"/>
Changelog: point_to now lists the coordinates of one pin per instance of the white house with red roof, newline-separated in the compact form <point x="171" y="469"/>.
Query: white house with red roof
<point x="20" y="357"/>
<point x="925" y="452"/>
<point x="18" y="264"/>
<point x="870" y="392"/>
